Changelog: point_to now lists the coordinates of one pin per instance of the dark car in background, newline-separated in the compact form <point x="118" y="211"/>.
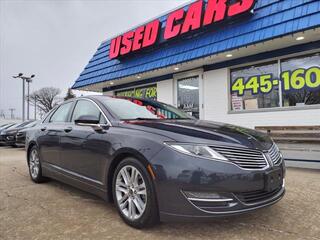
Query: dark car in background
<point x="3" y="128"/>
<point x="4" y="125"/>
<point x="8" y="136"/>
<point x="155" y="161"/>
<point x="20" y="138"/>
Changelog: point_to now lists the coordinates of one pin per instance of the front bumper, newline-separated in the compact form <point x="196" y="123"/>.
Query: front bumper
<point x="178" y="173"/>
<point x="2" y="139"/>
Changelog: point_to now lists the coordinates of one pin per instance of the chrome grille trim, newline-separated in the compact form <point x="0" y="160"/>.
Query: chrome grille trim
<point x="243" y="157"/>
<point x="275" y="155"/>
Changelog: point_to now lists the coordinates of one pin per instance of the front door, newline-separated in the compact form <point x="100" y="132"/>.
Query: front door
<point x="85" y="151"/>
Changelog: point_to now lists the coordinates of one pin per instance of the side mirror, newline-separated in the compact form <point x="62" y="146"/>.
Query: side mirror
<point x="92" y="121"/>
<point x="87" y="120"/>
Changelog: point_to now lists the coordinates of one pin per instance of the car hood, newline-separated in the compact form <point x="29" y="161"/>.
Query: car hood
<point x="9" y="132"/>
<point x="200" y="131"/>
<point x="12" y="131"/>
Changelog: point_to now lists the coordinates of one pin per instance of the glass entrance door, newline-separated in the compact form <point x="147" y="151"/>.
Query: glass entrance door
<point x="188" y="95"/>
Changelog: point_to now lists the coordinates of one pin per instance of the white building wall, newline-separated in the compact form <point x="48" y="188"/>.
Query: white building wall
<point x="109" y="93"/>
<point x="165" y="91"/>
<point x="216" y="102"/>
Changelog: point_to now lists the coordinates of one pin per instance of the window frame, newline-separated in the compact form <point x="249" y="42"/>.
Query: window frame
<point x="278" y="61"/>
<point x="108" y="123"/>
<point x="48" y="118"/>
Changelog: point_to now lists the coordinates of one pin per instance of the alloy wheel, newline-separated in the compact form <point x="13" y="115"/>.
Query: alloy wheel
<point x="34" y="164"/>
<point x="131" y="192"/>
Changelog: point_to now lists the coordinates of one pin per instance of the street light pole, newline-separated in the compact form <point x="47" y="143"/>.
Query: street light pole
<point x="23" y="99"/>
<point x="35" y="108"/>
<point x="28" y="80"/>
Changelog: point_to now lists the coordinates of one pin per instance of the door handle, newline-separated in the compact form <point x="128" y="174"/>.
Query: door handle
<point x="43" y="129"/>
<point x="68" y="129"/>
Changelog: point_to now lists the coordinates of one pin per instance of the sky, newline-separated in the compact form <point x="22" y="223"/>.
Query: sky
<point x="55" y="39"/>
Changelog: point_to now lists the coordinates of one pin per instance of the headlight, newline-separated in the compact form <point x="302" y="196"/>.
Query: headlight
<point x="197" y="150"/>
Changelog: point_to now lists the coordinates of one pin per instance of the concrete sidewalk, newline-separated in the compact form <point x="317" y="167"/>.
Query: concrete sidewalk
<point x="301" y="155"/>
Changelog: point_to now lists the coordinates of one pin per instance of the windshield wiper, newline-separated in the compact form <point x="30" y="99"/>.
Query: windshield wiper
<point x="140" y="118"/>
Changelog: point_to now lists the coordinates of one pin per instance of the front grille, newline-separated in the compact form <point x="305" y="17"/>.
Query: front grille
<point x="243" y="157"/>
<point x="275" y="154"/>
<point x="257" y="196"/>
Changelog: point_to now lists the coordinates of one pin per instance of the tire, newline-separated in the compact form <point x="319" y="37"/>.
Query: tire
<point x="144" y="209"/>
<point x="34" y="166"/>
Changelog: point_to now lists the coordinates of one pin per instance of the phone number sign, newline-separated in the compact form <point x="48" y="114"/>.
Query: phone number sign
<point x="290" y="81"/>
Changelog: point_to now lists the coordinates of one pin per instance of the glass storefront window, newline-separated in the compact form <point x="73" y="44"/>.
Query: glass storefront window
<point x="263" y="86"/>
<point x="252" y="99"/>
<point x="188" y="95"/>
<point x="302" y="67"/>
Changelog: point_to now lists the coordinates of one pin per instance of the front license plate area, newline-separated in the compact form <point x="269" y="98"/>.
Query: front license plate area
<point x="273" y="180"/>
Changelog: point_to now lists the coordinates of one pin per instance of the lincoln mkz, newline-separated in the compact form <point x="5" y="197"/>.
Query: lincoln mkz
<point x="155" y="162"/>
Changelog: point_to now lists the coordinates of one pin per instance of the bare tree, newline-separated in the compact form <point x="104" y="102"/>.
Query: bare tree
<point x="46" y="98"/>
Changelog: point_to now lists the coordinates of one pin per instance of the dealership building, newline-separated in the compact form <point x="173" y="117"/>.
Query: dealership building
<point x="251" y="63"/>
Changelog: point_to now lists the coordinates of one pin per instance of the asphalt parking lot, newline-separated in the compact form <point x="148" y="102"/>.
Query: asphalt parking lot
<point x="56" y="211"/>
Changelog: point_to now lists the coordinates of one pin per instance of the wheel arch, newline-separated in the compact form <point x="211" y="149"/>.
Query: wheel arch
<point x="118" y="157"/>
<point x="30" y="146"/>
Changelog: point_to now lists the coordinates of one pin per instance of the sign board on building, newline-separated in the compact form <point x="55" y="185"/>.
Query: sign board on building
<point x="147" y="92"/>
<point x="198" y="15"/>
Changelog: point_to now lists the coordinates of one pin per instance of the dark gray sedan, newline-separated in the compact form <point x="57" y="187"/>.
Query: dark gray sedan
<point x="155" y="161"/>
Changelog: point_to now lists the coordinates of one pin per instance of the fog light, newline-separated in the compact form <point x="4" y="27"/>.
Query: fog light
<point x="206" y="197"/>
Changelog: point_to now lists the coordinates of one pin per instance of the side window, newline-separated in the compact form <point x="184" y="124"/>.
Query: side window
<point x="61" y="114"/>
<point x="85" y="107"/>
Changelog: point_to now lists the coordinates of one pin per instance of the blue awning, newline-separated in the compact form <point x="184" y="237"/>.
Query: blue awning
<point x="271" y="19"/>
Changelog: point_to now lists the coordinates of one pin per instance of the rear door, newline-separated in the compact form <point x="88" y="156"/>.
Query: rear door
<point x="51" y="131"/>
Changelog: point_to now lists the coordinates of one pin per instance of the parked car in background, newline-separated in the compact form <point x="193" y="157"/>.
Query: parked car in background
<point x="21" y="134"/>
<point x="155" y="161"/>
<point x="3" y="128"/>
<point x="3" y="125"/>
<point x="8" y="136"/>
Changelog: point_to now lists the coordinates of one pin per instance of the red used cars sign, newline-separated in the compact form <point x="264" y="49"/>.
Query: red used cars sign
<point x="179" y="22"/>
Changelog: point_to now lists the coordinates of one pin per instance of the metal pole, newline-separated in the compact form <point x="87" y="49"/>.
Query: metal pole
<point x="23" y="96"/>
<point x="28" y="82"/>
<point x="35" y="108"/>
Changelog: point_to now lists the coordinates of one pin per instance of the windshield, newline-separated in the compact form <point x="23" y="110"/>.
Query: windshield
<point x="135" y="109"/>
